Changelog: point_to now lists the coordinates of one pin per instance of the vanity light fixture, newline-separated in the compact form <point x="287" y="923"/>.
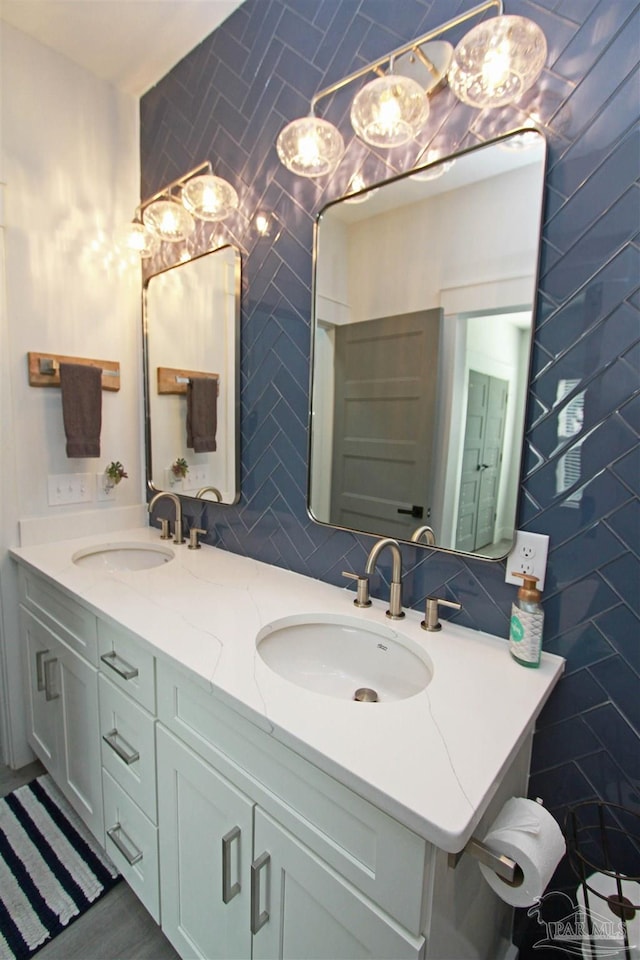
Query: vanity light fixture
<point x="170" y="214"/>
<point x="494" y="64"/>
<point x="497" y="61"/>
<point x="140" y="240"/>
<point x="389" y="111"/>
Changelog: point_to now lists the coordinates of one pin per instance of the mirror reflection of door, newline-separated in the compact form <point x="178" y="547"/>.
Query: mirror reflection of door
<point x="481" y="461"/>
<point x="384" y="401"/>
<point x="462" y="236"/>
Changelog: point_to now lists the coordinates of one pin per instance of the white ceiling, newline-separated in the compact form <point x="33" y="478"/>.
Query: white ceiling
<point x="130" y="43"/>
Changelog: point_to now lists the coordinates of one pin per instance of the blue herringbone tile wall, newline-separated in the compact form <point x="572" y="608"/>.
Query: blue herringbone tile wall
<point x="226" y="102"/>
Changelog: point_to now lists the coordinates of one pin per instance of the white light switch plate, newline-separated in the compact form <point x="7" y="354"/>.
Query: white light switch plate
<point x="528" y="555"/>
<point x="70" y="488"/>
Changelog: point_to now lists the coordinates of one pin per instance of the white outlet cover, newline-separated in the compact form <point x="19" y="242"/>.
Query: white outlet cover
<point x="528" y="555"/>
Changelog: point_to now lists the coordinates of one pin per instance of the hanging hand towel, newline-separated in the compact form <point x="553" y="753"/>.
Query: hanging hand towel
<point x="202" y="414"/>
<point x="81" y="408"/>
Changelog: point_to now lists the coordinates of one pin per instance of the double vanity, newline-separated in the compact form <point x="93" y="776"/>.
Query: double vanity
<point x="196" y="708"/>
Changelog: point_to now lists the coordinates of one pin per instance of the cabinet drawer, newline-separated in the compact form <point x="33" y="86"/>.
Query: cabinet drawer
<point x="128" y="745"/>
<point x="68" y="619"/>
<point x="377" y="854"/>
<point x="131" y="840"/>
<point x="127" y="664"/>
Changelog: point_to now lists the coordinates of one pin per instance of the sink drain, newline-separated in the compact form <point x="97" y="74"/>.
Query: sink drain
<point x="365" y="695"/>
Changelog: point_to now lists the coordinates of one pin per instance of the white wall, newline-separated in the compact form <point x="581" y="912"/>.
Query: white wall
<point x="70" y="165"/>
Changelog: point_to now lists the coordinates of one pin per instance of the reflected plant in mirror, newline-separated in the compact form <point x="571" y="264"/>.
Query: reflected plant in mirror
<point x="423" y="316"/>
<point x="191" y="317"/>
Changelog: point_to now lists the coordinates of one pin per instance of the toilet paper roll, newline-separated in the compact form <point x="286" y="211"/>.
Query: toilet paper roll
<point x="526" y="832"/>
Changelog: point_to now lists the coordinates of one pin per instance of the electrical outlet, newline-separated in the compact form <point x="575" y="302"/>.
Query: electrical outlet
<point x="528" y="555"/>
<point x="69" y="488"/>
<point x="103" y="491"/>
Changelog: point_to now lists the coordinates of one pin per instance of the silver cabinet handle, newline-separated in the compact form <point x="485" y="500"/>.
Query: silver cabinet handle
<point x="49" y="693"/>
<point x="126" y="847"/>
<point x="40" y="682"/>
<point x="229" y="890"/>
<point x="120" y="666"/>
<point x="259" y="919"/>
<point x="120" y="746"/>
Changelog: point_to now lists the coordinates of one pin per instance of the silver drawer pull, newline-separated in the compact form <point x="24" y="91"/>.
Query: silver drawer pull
<point x="259" y="919"/>
<point x="229" y="890"/>
<point x="128" y="849"/>
<point x="40" y="684"/>
<point x="49" y="692"/>
<point x="120" y="666"/>
<point x="120" y="746"/>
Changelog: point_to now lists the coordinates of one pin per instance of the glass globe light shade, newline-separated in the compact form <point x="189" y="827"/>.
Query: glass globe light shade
<point x="209" y="198"/>
<point x="497" y="61"/>
<point x="168" y="220"/>
<point x="389" y="111"/>
<point x="310" y="147"/>
<point x="140" y="240"/>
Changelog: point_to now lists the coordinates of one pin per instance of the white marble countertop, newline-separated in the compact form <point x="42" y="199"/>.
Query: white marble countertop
<point x="432" y="761"/>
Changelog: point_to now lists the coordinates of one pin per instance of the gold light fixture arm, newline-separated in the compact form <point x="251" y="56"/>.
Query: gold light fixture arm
<point x="413" y="47"/>
<point x="178" y="182"/>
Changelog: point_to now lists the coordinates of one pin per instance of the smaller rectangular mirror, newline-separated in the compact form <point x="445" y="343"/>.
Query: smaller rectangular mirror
<point x="423" y="314"/>
<point x="191" y="325"/>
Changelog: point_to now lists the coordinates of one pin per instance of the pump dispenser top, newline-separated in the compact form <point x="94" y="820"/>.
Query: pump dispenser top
<point x="527" y="619"/>
<point x="528" y="591"/>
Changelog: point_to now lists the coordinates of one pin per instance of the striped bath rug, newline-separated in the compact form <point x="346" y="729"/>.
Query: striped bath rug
<point x="51" y="868"/>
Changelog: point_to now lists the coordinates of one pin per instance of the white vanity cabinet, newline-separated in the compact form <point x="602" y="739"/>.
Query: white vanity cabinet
<point x="62" y="694"/>
<point x="263" y="855"/>
<point x="128" y="750"/>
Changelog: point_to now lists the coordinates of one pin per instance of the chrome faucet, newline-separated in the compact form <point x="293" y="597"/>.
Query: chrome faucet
<point x="213" y="490"/>
<point x="426" y="532"/>
<point x="395" y="611"/>
<point x="178" y="537"/>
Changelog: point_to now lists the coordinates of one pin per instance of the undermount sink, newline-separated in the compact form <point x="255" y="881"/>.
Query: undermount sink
<point x="342" y="657"/>
<point x="116" y="557"/>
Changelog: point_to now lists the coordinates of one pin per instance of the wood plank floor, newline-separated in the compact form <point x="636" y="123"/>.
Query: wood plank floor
<point x="116" y="928"/>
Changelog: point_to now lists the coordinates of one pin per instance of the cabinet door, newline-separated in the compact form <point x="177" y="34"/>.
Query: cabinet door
<point x="80" y="770"/>
<point x="302" y="909"/>
<point x="43" y="708"/>
<point x="205" y="855"/>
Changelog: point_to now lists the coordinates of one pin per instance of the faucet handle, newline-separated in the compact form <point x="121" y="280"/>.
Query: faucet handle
<point x="165" y="533"/>
<point x="193" y="538"/>
<point x="431" y="622"/>
<point x="362" y="595"/>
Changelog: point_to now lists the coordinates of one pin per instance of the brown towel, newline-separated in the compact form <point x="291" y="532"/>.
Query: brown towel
<point x="202" y="414"/>
<point x="81" y="408"/>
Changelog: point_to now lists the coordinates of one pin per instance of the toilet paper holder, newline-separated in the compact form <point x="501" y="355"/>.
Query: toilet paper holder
<point x="506" y="868"/>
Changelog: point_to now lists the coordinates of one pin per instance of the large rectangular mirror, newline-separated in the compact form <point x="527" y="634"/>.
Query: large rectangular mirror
<point x="191" y="317"/>
<point x="423" y="306"/>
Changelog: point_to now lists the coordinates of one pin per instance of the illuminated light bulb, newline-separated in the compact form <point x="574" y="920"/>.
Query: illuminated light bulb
<point x="209" y="198"/>
<point x="168" y="220"/>
<point x="497" y="61"/>
<point x="357" y="184"/>
<point x="310" y="147"/>
<point x="389" y="111"/>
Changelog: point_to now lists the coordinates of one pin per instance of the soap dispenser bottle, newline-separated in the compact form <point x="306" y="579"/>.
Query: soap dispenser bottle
<point x="527" y="618"/>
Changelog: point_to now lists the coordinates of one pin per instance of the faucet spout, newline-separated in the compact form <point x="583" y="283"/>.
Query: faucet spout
<point x="395" y="611"/>
<point x="424" y="532"/>
<point x="178" y="536"/>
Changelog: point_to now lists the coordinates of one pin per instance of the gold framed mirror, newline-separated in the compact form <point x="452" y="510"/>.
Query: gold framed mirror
<point x="424" y="297"/>
<point x="191" y="328"/>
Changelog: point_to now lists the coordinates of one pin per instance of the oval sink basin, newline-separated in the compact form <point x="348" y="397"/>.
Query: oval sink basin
<point x="340" y="656"/>
<point x="115" y="557"/>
